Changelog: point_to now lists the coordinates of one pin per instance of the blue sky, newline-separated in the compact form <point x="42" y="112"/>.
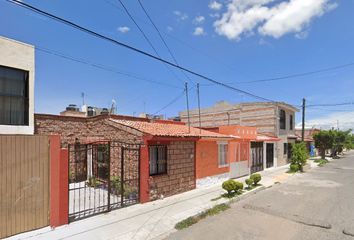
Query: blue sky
<point x="230" y="41"/>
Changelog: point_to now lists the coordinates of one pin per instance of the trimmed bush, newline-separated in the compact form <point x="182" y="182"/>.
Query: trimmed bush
<point x="256" y="178"/>
<point x="238" y="186"/>
<point x="294" y="167"/>
<point x="249" y="182"/>
<point x="229" y="186"/>
<point x="299" y="155"/>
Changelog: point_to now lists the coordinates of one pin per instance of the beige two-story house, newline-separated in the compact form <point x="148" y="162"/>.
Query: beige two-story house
<point x="274" y="119"/>
<point x="16" y="87"/>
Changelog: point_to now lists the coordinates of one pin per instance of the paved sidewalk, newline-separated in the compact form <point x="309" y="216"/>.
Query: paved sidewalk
<point x="153" y="220"/>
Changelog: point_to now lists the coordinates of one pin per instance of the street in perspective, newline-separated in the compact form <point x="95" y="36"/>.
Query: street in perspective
<point x="313" y="205"/>
<point x="180" y="119"/>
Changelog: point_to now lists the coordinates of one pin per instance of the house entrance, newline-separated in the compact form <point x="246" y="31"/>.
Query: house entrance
<point x="257" y="156"/>
<point x="102" y="176"/>
<point x="270" y="155"/>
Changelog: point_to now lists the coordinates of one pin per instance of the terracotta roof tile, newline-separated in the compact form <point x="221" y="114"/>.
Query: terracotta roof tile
<point x="168" y="130"/>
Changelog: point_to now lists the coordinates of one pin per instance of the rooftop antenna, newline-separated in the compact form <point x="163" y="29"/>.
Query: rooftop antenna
<point x="83" y="98"/>
<point x="113" y="107"/>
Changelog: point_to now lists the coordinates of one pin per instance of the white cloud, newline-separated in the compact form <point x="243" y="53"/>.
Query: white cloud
<point x="214" y="5"/>
<point x="180" y="15"/>
<point x="199" y="19"/>
<point x="302" y="35"/>
<point x="124" y="29"/>
<point x="214" y="15"/>
<point x="270" y="18"/>
<point x="345" y="121"/>
<point x="198" y="31"/>
<point x="169" y="29"/>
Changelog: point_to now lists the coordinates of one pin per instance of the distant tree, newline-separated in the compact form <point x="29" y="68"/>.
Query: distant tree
<point x="324" y="140"/>
<point x="299" y="155"/>
<point x="342" y="139"/>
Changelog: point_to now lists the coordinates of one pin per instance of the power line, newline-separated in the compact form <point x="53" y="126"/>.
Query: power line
<point x="171" y="102"/>
<point x="331" y="110"/>
<point x="146" y="38"/>
<point x="100" y="66"/>
<point x="162" y="39"/>
<point x="331" y="104"/>
<point x="134" y="49"/>
<point x="299" y="74"/>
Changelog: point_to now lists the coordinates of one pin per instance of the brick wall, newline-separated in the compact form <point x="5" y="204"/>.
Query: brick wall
<point x="87" y="130"/>
<point x="84" y="129"/>
<point x="180" y="175"/>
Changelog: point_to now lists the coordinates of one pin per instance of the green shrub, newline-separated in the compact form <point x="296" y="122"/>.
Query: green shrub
<point x="299" y="155"/>
<point x="256" y="178"/>
<point x="229" y="186"/>
<point x="294" y="167"/>
<point x="249" y="182"/>
<point x="238" y="186"/>
<point x="92" y="182"/>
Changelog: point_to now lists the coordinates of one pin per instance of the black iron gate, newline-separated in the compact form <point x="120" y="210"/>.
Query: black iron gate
<point x="270" y="155"/>
<point x="102" y="176"/>
<point x="257" y="156"/>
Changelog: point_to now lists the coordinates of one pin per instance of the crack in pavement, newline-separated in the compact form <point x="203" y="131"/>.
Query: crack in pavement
<point x="348" y="232"/>
<point x="294" y="218"/>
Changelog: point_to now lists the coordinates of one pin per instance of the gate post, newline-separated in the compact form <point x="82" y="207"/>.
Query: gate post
<point x="144" y="171"/>
<point x="59" y="192"/>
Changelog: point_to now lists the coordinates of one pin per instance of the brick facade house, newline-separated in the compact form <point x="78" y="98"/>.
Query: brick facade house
<point x="167" y="153"/>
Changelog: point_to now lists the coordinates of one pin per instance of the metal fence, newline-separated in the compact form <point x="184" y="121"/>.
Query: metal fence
<point x="102" y="176"/>
<point x="24" y="183"/>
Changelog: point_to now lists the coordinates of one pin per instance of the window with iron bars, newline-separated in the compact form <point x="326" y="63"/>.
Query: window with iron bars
<point x="158" y="159"/>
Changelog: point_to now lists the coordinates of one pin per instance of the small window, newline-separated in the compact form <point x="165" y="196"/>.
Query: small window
<point x="291" y="122"/>
<point x="285" y="148"/>
<point x="158" y="159"/>
<point x="13" y="96"/>
<point x="282" y="119"/>
<point x="222" y="154"/>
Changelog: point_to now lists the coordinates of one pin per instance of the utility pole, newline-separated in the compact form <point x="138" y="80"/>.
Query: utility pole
<point x="83" y="98"/>
<point x="303" y="119"/>
<point x="200" y="120"/>
<point x="186" y="90"/>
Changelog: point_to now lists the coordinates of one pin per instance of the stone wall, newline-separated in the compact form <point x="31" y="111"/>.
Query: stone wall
<point x="180" y="175"/>
<point x="84" y="130"/>
<point x="88" y="130"/>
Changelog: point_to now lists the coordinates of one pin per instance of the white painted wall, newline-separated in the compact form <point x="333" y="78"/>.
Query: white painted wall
<point x="19" y="55"/>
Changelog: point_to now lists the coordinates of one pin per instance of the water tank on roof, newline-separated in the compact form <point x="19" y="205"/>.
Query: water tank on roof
<point x="90" y="111"/>
<point x="72" y="107"/>
<point x="104" y="111"/>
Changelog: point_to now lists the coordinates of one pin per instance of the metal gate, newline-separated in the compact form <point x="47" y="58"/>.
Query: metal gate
<point x="257" y="156"/>
<point x="270" y="155"/>
<point x="102" y="176"/>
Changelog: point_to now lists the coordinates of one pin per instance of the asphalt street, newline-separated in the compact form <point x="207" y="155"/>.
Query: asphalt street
<point x="318" y="204"/>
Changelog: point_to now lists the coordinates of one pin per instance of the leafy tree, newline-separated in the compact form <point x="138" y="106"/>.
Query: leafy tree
<point x="299" y="155"/>
<point x="324" y="140"/>
<point x="340" y="140"/>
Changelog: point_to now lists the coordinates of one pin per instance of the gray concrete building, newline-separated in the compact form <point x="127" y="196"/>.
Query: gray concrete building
<point x="275" y="119"/>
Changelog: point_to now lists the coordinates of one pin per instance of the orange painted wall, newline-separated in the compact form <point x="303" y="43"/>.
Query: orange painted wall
<point x="240" y="131"/>
<point x="207" y="159"/>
